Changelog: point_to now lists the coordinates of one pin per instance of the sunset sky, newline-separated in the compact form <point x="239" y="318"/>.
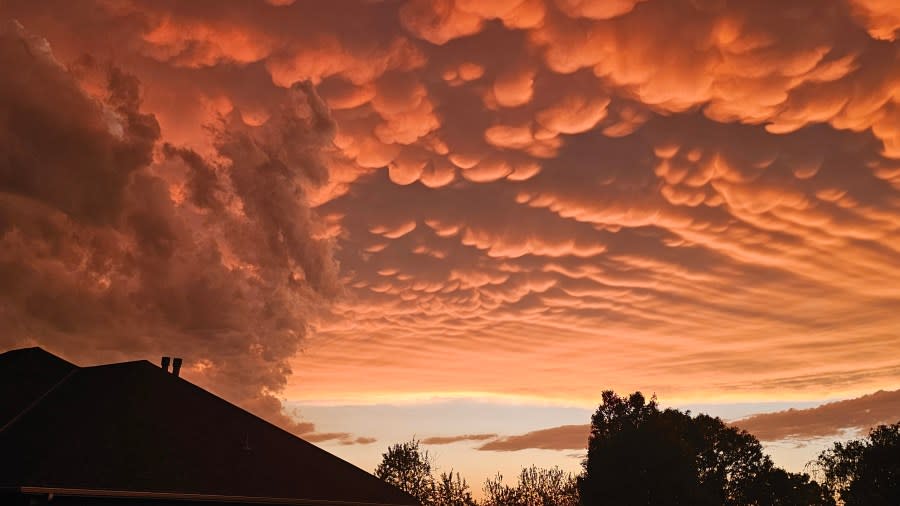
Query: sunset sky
<point x="461" y="220"/>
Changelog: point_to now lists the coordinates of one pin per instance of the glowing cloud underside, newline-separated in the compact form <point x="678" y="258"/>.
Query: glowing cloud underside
<point x="523" y="198"/>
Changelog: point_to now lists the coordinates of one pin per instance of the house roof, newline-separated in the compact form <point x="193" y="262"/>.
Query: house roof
<point x="133" y="428"/>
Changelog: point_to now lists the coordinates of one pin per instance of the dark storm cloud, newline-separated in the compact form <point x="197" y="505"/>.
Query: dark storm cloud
<point x="113" y="246"/>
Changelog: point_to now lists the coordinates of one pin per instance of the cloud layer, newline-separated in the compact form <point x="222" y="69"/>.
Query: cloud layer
<point x="828" y="420"/>
<point x="564" y="437"/>
<point x="445" y="440"/>
<point x="527" y="198"/>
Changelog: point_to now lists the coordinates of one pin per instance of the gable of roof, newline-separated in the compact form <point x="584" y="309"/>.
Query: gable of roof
<point x="136" y="428"/>
<point x="25" y="376"/>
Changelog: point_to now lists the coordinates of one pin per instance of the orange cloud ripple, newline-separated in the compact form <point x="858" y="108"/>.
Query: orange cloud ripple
<point x="703" y="198"/>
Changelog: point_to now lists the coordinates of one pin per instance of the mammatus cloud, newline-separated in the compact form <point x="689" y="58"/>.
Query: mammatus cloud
<point x="827" y="420"/>
<point x="445" y="440"/>
<point x="525" y="198"/>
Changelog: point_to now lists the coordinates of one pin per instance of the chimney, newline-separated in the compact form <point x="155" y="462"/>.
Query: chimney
<point x="165" y="364"/>
<point x="176" y="366"/>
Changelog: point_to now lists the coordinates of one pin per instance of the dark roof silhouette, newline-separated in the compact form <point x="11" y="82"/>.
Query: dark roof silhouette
<point x="135" y="430"/>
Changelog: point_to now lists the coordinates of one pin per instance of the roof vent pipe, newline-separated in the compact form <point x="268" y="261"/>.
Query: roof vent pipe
<point x="165" y="364"/>
<point x="176" y="366"/>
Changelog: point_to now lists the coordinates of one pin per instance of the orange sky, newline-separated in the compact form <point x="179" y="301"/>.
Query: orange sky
<point x="519" y="201"/>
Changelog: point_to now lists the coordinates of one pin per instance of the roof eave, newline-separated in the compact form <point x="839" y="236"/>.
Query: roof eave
<point x="177" y="496"/>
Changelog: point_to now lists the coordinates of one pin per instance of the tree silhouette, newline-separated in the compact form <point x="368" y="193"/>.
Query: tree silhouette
<point x="635" y="458"/>
<point x="781" y="488"/>
<point x="407" y="467"/>
<point x="865" y="471"/>
<point x="497" y="493"/>
<point x="640" y="455"/>
<point x="536" y="487"/>
<point x="547" y="487"/>
<point x="452" y="490"/>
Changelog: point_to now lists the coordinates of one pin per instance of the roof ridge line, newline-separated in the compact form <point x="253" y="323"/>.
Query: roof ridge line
<point x="126" y="362"/>
<point x="39" y="399"/>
